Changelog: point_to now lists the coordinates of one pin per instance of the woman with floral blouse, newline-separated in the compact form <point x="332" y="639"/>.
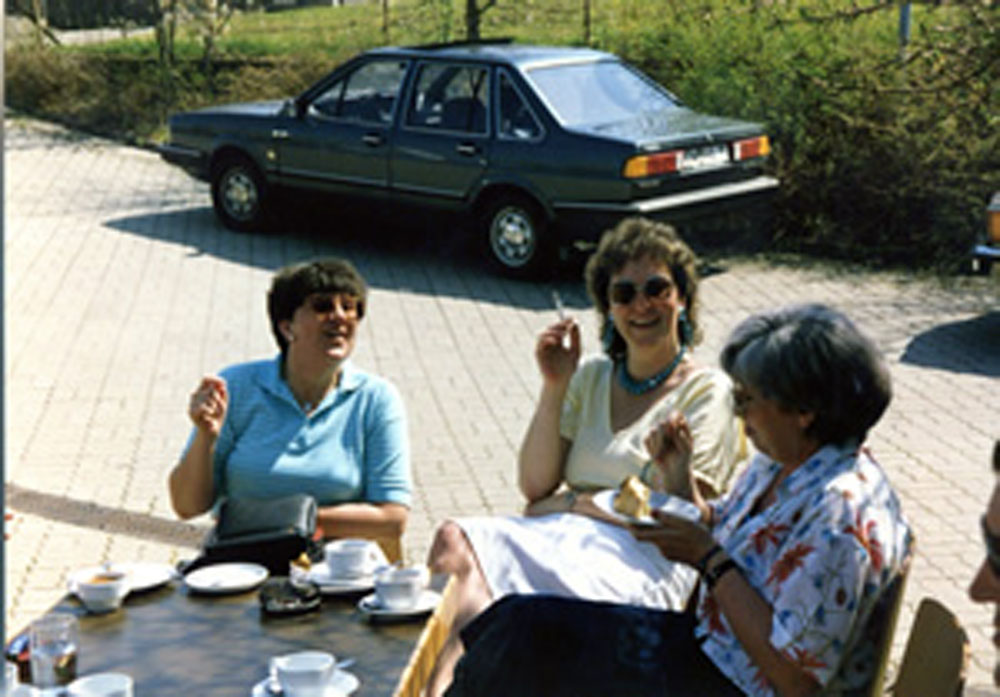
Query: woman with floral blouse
<point x="792" y="560"/>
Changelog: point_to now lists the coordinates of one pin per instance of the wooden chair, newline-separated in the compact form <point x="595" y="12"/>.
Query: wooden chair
<point x="883" y="625"/>
<point x="936" y="656"/>
<point x="392" y="547"/>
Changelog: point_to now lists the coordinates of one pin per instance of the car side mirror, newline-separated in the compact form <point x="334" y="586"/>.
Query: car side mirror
<point x="292" y="108"/>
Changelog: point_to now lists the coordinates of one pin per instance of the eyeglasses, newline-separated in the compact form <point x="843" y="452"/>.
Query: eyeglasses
<point x="992" y="543"/>
<point x="655" y="288"/>
<point x="325" y="304"/>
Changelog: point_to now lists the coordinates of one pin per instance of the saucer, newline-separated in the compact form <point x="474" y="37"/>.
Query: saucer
<point x="334" y="585"/>
<point x="341" y="685"/>
<point x="370" y="606"/>
<point x="231" y="577"/>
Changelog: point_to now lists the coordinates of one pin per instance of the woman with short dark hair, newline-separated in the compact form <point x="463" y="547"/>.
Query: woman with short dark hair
<point x="792" y="560"/>
<point x="307" y="421"/>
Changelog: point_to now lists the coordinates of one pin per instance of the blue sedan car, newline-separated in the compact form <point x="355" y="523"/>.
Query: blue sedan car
<point x="538" y="147"/>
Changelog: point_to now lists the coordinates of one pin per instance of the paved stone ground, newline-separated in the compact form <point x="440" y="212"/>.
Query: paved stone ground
<point x="121" y="291"/>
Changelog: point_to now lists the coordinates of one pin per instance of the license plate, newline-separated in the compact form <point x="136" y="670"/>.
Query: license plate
<point x="705" y="157"/>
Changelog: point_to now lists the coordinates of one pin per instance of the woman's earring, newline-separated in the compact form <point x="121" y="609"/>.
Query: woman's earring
<point x="608" y="333"/>
<point x="684" y="328"/>
<point x="289" y="337"/>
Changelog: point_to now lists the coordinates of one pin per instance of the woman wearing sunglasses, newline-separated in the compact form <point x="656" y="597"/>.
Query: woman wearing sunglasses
<point x="307" y="421"/>
<point x="793" y="559"/>
<point x="587" y="435"/>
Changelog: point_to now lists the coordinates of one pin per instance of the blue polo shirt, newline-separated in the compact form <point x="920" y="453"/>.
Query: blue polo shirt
<point x="352" y="447"/>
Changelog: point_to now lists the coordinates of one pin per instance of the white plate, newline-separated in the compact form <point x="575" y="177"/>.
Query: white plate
<point x="226" y="578"/>
<point x="342" y="684"/>
<point x="427" y="601"/>
<point x="673" y="505"/>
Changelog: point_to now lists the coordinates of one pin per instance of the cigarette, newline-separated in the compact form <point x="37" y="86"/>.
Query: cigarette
<point x="560" y="308"/>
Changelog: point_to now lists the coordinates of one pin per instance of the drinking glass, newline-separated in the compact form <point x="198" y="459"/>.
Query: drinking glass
<point x="53" y="650"/>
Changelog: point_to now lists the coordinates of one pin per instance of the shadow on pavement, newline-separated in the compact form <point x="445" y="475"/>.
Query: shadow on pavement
<point x="432" y="255"/>
<point x="969" y="346"/>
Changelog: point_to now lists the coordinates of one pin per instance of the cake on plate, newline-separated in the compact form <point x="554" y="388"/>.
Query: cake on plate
<point x="633" y="498"/>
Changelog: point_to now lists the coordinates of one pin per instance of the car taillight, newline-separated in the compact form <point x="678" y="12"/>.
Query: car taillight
<point x="649" y="165"/>
<point x="751" y="147"/>
<point x="993" y="219"/>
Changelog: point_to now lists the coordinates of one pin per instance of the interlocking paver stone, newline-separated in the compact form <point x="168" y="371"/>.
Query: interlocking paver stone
<point x="121" y="291"/>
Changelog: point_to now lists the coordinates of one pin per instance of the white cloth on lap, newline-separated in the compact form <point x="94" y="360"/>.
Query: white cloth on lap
<point x="573" y="555"/>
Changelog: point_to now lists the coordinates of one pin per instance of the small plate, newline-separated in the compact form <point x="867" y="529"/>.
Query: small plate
<point x="370" y="606"/>
<point x="342" y="684"/>
<point x="218" y="579"/>
<point x="142" y="576"/>
<point x="674" y="505"/>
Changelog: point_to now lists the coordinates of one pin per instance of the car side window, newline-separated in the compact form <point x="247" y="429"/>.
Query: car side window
<point x="450" y="97"/>
<point x="516" y="119"/>
<point x="367" y="94"/>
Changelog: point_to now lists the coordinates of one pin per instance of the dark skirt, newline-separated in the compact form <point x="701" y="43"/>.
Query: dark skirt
<point x="544" y="646"/>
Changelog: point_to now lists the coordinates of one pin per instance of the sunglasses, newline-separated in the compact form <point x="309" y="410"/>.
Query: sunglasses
<point x="655" y="287"/>
<point x="325" y="304"/>
<point x="992" y="543"/>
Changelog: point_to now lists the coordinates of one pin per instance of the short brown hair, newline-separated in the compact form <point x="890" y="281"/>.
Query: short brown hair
<point x="291" y="286"/>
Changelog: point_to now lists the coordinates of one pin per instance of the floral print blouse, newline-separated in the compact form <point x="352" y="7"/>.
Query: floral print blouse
<point x="820" y="555"/>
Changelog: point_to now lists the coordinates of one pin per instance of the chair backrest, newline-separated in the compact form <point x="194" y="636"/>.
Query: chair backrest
<point x="392" y="547"/>
<point x="883" y="624"/>
<point x="875" y="642"/>
<point x="936" y="656"/>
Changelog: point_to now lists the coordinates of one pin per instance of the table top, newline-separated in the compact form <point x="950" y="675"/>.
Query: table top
<point x="174" y="642"/>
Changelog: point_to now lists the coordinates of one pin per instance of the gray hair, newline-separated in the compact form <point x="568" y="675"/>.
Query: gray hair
<point x="812" y="358"/>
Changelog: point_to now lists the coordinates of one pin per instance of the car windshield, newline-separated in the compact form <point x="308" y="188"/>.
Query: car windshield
<point x="598" y="92"/>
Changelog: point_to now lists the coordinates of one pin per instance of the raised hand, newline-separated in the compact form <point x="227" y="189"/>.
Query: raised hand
<point x="558" y="350"/>
<point x="208" y="404"/>
<point x="670" y="444"/>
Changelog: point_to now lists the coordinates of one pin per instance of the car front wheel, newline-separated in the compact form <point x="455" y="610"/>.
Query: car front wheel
<point x="517" y="237"/>
<point x="238" y="194"/>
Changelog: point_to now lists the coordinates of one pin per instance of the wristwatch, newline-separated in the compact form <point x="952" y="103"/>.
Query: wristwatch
<point x="714" y="573"/>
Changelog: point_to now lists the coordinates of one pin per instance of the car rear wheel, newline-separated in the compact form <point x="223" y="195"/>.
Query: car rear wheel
<point x="238" y="192"/>
<point x="517" y="235"/>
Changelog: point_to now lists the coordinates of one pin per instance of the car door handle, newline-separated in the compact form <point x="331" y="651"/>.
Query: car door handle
<point x="372" y="139"/>
<point x="279" y="133"/>
<point x="466" y="149"/>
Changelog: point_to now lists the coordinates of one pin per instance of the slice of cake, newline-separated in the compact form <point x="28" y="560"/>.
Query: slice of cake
<point x="633" y="498"/>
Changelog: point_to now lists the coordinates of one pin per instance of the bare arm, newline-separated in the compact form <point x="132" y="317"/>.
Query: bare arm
<point x="191" y="484"/>
<point x="363" y="520"/>
<point x="749" y="615"/>
<point x="542" y="456"/>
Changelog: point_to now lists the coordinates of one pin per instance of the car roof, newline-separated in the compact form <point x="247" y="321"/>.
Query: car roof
<point x="500" y="51"/>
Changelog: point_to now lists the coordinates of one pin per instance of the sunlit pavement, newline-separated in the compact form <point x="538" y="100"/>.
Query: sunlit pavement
<point x="121" y="291"/>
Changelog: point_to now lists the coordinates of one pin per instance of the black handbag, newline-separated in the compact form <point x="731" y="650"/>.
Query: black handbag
<point x="269" y="532"/>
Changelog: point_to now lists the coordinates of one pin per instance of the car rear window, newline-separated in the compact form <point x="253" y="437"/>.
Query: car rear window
<point x="598" y="92"/>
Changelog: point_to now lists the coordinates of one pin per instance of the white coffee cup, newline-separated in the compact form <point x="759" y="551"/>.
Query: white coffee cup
<point x="399" y="588"/>
<point x="305" y="673"/>
<point x="350" y="558"/>
<point x="101" y="685"/>
<point x="104" y="591"/>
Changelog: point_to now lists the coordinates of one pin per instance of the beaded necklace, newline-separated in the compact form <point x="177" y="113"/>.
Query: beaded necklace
<point x="637" y="387"/>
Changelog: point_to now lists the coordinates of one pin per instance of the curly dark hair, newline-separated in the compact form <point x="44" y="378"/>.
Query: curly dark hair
<point x="291" y="286"/>
<point x="630" y="240"/>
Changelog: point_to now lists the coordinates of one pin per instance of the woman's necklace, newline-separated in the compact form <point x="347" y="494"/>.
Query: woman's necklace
<point x="634" y="386"/>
